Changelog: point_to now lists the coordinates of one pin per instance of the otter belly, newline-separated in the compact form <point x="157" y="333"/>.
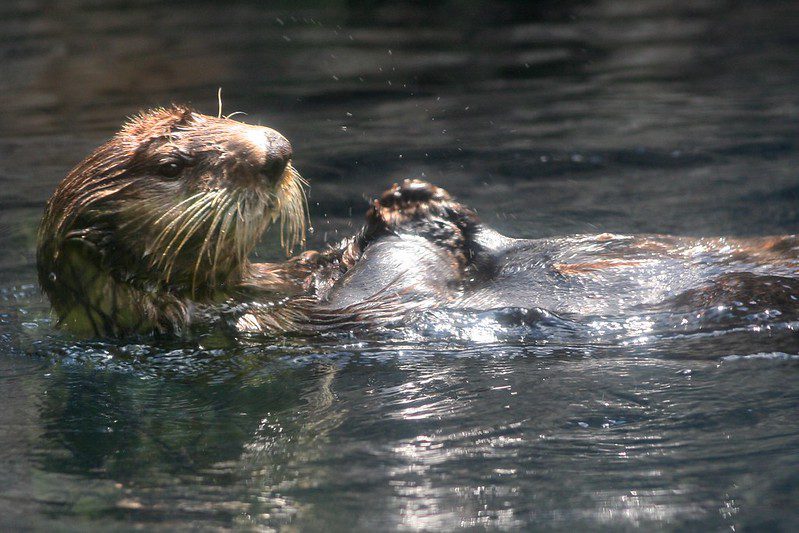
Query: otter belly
<point x="614" y="274"/>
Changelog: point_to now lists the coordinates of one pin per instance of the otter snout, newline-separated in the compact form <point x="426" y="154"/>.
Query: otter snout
<point x="276" y="157"/>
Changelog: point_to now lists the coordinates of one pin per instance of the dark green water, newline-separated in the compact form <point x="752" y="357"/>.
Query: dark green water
<point x="550" y="118"/>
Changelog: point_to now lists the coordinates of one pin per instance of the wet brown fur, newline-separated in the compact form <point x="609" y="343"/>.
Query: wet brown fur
<point x="123" y="247"/>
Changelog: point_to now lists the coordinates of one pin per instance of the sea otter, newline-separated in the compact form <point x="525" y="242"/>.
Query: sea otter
<point x="151" y="233"/>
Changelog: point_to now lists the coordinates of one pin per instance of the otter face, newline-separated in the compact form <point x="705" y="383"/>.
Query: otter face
<point x="210" y="186"/>
<point x="199" y="152"/>
<point x="174" y="202"/>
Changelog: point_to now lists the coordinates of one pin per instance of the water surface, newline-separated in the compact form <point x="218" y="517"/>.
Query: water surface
<point x="549" y="118"/>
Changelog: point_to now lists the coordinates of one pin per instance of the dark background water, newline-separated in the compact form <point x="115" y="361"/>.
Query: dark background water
<point x="550" y="118"/>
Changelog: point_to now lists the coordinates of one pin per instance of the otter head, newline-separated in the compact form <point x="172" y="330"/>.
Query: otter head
<point x="163" y="216"/>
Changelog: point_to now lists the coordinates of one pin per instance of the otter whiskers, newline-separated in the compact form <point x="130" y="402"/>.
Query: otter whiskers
<point x="218" y="220"/>
<point x="186" y="225"/>
<point x="292" y="209"/>
<point x="216" y="227"/>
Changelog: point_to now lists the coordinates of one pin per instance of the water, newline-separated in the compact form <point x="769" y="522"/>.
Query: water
<point x="550" y="118"/>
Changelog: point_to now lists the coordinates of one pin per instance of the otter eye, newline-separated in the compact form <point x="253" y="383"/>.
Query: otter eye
<point x="171" y="169"/>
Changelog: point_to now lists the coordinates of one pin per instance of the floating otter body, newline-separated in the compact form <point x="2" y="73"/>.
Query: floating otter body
<point x="152" y="231"/>
<point x="421" y="250"/>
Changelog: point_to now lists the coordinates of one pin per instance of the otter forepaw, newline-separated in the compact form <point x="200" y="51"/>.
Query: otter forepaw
<point x="411" y="193"/>
<point x="415" y="207"/>
<point x="413" y="201"/>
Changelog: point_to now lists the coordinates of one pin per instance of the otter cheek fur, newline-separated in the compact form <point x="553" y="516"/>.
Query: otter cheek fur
<point x="162" y="218"/>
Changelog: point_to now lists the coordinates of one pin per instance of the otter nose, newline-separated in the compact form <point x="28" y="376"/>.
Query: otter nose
<point x="278" y="155"/>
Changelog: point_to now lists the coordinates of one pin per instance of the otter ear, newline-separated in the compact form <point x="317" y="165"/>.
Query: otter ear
<point x="182" y="115"/>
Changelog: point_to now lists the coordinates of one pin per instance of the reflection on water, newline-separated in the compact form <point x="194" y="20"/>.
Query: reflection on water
<point x="549" y="118"/>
